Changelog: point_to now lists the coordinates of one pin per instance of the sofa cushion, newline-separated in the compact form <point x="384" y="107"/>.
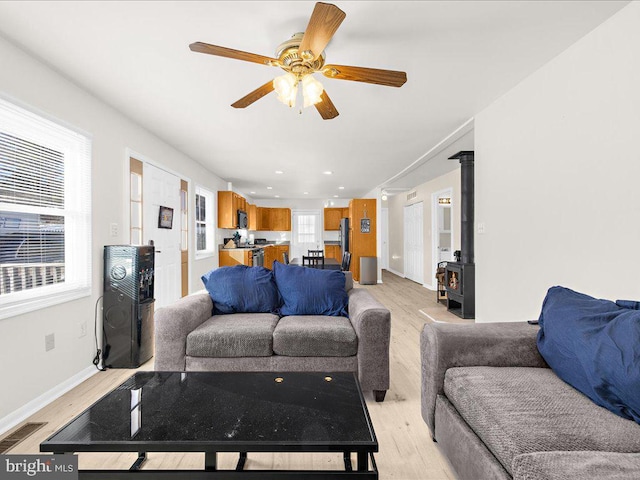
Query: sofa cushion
<point x="576" y="466"/>
<point x="314" y="336"/>
<point x="310" y="291"/>
<point x="242" y="289"/>
<point x="233" y="335"/>
<point x="517" y="410"/>
<point x="594" y="345"/>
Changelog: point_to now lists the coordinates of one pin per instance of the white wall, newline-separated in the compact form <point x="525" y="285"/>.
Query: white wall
<point x="396" y="204"/>
<point x="557" y="168"/>
<point x="27" y="370"/>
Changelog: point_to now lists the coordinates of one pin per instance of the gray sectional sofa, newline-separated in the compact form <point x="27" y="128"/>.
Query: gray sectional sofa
<point x="498" y="412"/>
<point x="189" y="338"/>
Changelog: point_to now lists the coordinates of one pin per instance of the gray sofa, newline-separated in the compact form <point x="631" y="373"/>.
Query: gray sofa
<point x="189" y="338"/>
<point x="498" y="412"/>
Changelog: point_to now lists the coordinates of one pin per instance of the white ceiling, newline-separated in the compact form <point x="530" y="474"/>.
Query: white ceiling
<point x="459" y="57"/>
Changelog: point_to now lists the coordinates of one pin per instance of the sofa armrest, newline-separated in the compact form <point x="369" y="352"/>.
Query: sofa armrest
<point x="172" y="325"/>
<point x="372" y="323"/>
<point x="443" y="346"/>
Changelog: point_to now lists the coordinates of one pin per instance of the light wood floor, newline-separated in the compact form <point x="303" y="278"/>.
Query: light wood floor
<point x="406" y="449"/>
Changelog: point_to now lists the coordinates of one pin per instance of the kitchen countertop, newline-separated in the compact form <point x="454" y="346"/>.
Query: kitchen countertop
<point x="253" y="247"/>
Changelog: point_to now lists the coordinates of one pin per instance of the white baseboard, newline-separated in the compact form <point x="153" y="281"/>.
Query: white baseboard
<point x="401" y="275"/>
<point x="429" y="287"/>
<point x="24" y="412"/>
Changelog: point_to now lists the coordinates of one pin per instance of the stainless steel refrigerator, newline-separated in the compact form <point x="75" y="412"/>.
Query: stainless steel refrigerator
<point x="344" y="235"/>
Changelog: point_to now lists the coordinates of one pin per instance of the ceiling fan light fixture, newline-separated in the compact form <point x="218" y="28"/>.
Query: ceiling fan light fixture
<point x="312" y="90"/>
<point x="286" y="87"/>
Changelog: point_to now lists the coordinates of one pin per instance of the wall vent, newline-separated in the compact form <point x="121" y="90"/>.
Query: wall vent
<point x="412" y="195"/>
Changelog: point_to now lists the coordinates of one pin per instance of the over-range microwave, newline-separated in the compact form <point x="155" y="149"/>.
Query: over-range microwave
<point x="242" y="219"/>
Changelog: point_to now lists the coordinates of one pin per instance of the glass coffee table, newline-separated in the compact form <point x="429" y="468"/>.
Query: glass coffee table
<point x="213" y="412"/>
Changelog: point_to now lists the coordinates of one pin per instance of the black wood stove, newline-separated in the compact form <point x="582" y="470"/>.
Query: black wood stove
<point x="460" y="277"/>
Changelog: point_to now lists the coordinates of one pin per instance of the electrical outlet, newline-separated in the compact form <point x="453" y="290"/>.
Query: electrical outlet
<point x="49" y="342"/>
<point x="82" y="329"/>
<point x="480" y="228"/>
<point x="114" y="230"/>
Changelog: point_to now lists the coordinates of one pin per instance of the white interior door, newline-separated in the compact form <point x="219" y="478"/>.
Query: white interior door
<point x="306" y="233"/>
<point x="413" y="243"/>
<point x="161" y="188"/>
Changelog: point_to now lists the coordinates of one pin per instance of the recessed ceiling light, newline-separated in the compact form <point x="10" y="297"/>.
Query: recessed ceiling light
<point x="277" y="196"/>
<point x="328" y="172"/>
<point x="340" y="188"/>
<point x="306" y="193"/>
<point x="252" y="193"/>
<point x="335" y="196"/>
<point x="269" y="188"/>
<point x="279" y="172"/>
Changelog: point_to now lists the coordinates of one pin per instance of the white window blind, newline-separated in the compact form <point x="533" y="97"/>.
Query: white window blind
<point x="204" y="222"/>
<point x="307" y="229"/>
<point x="45" y="212"/>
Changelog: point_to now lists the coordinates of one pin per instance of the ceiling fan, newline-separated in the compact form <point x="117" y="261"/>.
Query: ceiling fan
<point x="300" y="57"/>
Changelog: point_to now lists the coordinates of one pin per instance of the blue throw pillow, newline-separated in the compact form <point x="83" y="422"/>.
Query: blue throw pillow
<point x="311" y="291"/>
<point x="594" y="345"/>
<point x="242" y="289"/>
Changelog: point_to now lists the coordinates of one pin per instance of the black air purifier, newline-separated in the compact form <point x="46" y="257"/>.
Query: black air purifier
<point x="128" y="305"/>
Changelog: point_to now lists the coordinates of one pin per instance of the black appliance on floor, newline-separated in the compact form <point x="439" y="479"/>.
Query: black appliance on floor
<point x="128" y="305"/>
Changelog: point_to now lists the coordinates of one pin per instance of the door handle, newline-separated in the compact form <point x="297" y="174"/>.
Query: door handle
<point x="158" y="251"/>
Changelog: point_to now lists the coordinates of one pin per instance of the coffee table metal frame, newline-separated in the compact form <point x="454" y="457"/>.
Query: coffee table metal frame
<point x="363" y="450"/>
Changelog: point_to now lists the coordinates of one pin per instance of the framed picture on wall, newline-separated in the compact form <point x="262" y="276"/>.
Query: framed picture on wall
<point x="165" y="219"/>
<point x="365" y="225"/>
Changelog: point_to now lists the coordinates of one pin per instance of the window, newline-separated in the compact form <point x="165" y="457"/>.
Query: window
<point x="204" y="223"/>
<point x="307" y="229"/>
<point x="45" y="212"/>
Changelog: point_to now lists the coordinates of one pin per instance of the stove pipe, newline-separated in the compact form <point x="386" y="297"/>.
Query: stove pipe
<point x="467" y="205"/>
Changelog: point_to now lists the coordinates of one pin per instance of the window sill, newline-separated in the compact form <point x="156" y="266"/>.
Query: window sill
<point x="19" y="307"/>
<point x="204" y="254"/>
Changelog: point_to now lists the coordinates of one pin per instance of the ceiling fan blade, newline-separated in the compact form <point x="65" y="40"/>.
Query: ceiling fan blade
<point x="324" y="21"/>
<point x="390" y="78"/>
<point x="254" y="96"/>
<point x="231" y="53"/>
<point x="326" y="108"/>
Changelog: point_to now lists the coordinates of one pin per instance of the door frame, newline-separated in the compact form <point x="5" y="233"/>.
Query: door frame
<point x="434" y="227"/>
<point x="384" y="230"/>
<point x="319" y="225"/>
<point x="126" y="224"/>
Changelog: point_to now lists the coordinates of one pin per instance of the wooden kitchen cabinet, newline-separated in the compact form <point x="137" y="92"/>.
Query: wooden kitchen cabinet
<point x="269" y="256"/>
<point x="274" y="252"/>
<point x="232" y="257"/>
<point x="332" y="218"/>
<point x="252" y="217"/>
<point x="273" y="219"/>
<point x="333" y="251"/>
<point x="281" y="219"/>
<point x="228" y="205"/>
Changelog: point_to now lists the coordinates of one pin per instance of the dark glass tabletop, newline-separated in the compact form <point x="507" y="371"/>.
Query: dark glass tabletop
<point x="223" y="411"/>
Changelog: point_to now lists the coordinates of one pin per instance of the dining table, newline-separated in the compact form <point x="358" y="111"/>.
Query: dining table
<point x="329" y="263"/>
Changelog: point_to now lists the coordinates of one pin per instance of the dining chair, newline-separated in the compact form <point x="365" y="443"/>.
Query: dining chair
<point x="285" y="258"/>
<point x="312" y="261"/>
<point x="315" y="253"/>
